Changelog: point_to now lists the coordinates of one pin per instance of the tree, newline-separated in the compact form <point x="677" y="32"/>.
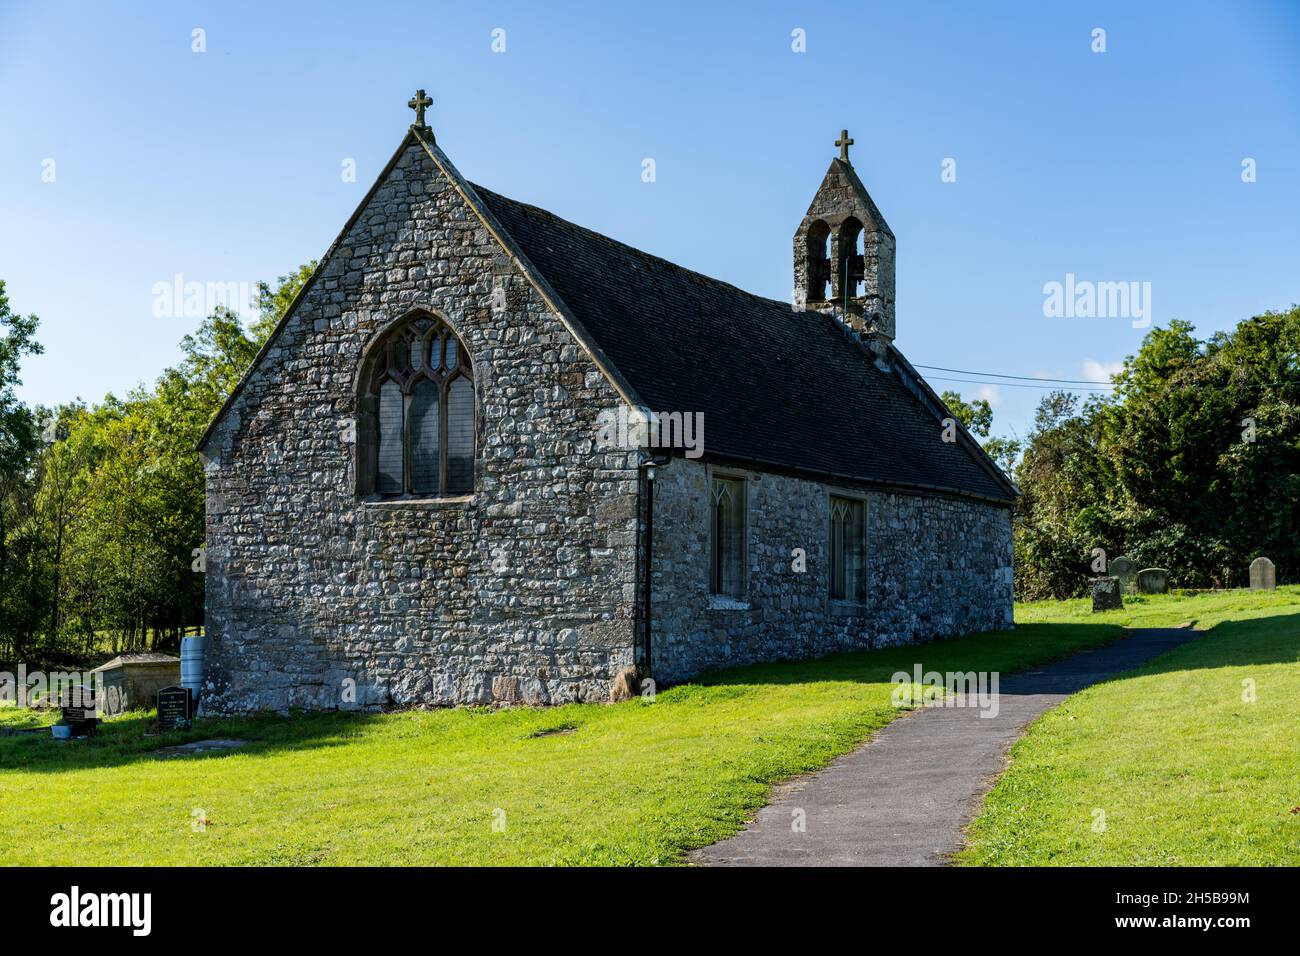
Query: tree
<point x="273" y="303"/>
<point x="977" y="416"/>
<point x="1192" y="465"/>
<point x="114" y="503"/>
<point x="19" y="552"/>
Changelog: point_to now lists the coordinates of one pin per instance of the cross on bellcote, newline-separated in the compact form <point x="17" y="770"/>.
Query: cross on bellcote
<point x="420" y="102"/>
<point x="844" y="143"/>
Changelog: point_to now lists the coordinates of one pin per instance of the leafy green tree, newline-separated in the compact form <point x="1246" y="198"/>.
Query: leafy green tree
<point x="115" y="507"/>
<point x="977" y="416"/>
<point x="1005" y="451"/>
<point x="274" y="302"/>
<point x="1192" y="465"/>
<point x="21" y="570"/>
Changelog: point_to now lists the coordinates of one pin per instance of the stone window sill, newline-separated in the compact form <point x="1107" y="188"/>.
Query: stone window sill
<point x="462" y="502"/>
<point x="842" y="608"/>
<point x="720" y="602"/>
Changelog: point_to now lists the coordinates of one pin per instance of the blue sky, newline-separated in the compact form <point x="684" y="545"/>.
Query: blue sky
<point x="225" y="166"/>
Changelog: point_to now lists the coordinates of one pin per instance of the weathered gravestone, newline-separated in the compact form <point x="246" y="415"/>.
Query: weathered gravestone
<point x="173" y="708"/>
<point x="1153" y="580"/>
<point x="1106" y="594"/>
<point x="114" y="703"/>
<point x="1263" y="576"/>
<point x="1126" y="569"/>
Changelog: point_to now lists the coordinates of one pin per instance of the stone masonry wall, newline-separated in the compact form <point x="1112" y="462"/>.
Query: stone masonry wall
<point x="525" y="591"/>
<point x="936" y="567"/>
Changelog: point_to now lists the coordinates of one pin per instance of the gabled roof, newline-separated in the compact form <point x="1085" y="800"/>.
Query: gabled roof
<point x="424" y="138"/>
<point x="776" y="386"/>
<point x="842" y="189"/>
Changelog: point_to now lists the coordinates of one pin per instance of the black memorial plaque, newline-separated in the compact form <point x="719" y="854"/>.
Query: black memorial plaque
<point x="173" y="708"/>
<point x="78" y="708"/>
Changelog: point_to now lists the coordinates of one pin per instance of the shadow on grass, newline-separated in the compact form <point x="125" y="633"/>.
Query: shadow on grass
<point x="125" y="740"/>
<point x="1247" y="642"/>
<point x="1029" y="645"/>
<point x="122" y="741"/>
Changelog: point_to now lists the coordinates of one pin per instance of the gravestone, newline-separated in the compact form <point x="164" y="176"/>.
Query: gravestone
<point x="1126" y="569"/>
<point x="77" y="705"/>
<point x="1106" y="594"/>
<point x="173" y="708"/>
<point x="1153" y="580"/>
<point x="114" y="702"/>
<point x="1263" y="576"/>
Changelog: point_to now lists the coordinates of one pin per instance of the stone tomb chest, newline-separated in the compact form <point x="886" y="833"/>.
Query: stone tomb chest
<point x="132" y="681"/>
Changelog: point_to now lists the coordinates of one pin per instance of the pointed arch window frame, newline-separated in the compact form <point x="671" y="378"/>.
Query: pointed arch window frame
<point x="728" y="535"/>
<point x="418" y="351"/>
<point x="847" y="549"/>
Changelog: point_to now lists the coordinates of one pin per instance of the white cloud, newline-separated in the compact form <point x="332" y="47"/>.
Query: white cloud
<point x="1100" y="371"/>
<point x="990" y="394"/>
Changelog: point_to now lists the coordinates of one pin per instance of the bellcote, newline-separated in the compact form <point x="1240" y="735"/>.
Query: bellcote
<point x="844" y="253"/>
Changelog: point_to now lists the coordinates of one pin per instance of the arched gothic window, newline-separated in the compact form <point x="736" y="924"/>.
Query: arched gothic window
<point x="415" y="427"/>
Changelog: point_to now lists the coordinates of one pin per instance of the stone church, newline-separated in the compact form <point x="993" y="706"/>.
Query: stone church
<point x="416" y="495"/>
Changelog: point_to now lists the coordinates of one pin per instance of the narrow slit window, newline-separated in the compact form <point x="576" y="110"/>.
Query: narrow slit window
<point x="727" y="537"/>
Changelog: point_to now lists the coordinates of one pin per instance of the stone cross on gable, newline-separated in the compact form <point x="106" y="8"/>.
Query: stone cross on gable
<point x="844" y="143"/>
<point x="419" y="102"/>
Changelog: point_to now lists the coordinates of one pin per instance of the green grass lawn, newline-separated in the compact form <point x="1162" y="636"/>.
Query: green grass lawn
<point x="1172" y="764"/>
<point x="634" y="783"/>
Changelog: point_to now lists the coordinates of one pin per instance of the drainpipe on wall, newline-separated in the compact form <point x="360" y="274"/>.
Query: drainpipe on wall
<point x="649" y="463"/>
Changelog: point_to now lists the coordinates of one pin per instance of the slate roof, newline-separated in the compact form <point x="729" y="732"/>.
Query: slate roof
<point x="776" y="386"/>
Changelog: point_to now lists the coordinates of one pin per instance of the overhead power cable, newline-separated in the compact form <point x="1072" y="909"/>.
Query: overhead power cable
<point x="1023" y="378"/>
<point x="1055" y="384"/>
<point x="1049" y="387"/>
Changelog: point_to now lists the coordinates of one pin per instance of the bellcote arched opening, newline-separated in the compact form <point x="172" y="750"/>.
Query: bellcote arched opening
<point x="416" y="433"/>
<point x="818" y="259"/>
<point x="850" y="260"/>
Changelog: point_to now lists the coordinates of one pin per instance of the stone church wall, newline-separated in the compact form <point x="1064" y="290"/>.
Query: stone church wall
<point x="524" y="592"/>
<point x="936" y="567"/>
